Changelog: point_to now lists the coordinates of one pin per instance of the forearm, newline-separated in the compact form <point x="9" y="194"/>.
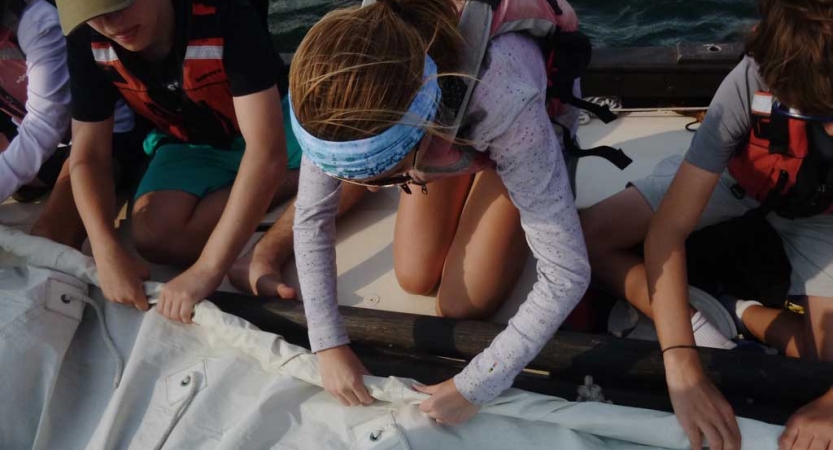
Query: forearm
<point x="276" y="244"/>
<point x="665" y="266"/>
<point x="250" y="197"/>
<point x="94" y="194"/>
<point x="315" y="235"/>
<point x="531" y="167"/>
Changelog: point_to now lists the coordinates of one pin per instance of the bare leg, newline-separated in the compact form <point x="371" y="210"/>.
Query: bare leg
<point x="487" y="253"/>
<point x="60" y="220"/>
<point x="778" y="328"/>
<point x="172" y="227"/>
<point x="612" y="228"/>
<point x="818" y="327"/>
<point x="806" y="337"/>
<point x="259" y="271"/>
<point x="425" y="227"/>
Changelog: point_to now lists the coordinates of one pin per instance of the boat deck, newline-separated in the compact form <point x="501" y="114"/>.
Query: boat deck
<point x="365" y="251"/>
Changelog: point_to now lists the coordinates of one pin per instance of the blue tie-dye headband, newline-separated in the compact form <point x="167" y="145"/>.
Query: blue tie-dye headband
<point x="373" y="156"/>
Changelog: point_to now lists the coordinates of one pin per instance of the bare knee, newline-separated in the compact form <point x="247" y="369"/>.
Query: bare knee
<point x="155" y="240"/>
<point x="416" y="282"/>
<point x="417" y="274"/>
<point x="461" y="307"/>
<point x="463" y="310"/>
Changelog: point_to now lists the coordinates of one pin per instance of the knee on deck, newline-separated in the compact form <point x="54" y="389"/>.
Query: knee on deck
<point x="156" y="240"/>
<point x="417" y="282"/>
<point x="457" y="306"/>
<point x="463" y="310"/>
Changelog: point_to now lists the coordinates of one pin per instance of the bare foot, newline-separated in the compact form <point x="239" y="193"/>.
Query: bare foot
<point x="259" y="277"/>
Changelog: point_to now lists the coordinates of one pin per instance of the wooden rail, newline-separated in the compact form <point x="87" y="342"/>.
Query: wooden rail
<point x="687" y="74"/>
<point x="761" y="386"/>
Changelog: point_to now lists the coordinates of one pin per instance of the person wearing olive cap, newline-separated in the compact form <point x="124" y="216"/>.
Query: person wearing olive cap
<point x="34" y="119"/>
<point x="204" y="73"/>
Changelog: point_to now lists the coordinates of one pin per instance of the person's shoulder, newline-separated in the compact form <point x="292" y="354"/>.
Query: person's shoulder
<point x="512" y="75"/>
<point x="748" y="69"/>
<point x="39" y="12"/>
<point x="38" y="19"/>
<point x="515" y="55"/>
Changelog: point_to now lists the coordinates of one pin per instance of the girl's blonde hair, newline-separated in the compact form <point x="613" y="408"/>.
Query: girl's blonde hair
<point x="358" y="69"/>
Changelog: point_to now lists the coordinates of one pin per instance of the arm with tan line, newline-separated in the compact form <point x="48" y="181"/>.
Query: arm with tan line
<point x="91" y="162"/>
<point x="263" y="165"/>
<point x="699" y="406"/>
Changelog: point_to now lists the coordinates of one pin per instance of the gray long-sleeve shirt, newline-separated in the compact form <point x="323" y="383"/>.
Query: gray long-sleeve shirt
<point x="508" y="121"/>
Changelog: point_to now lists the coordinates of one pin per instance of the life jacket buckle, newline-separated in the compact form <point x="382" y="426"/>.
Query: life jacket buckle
<point x="738" y="191"/>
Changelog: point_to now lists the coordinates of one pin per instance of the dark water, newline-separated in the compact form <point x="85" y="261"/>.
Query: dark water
<point x="610" y="23"/>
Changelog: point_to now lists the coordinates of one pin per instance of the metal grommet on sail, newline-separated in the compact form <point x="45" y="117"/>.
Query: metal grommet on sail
<point x="376" y="435"/>
<point x="185" y="381"/>
<point x="66" y="298"/>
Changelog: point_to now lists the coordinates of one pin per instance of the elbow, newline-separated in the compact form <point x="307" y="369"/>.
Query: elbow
<point x="79" y="159"/>
<point x="584" y="281"/>
<point x="275" y="161"/>
<point x="583" y="269"/>
<point x="582" y="285"/>
<point x="94" y="163"/>
<point x="583" y="273"/>
<point x="277" y="166"/>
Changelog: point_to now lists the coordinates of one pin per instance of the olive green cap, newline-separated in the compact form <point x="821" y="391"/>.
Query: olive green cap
<point x="76" y="12"/>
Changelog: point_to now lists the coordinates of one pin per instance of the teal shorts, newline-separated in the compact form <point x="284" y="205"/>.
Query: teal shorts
<point x="201" y="169"/>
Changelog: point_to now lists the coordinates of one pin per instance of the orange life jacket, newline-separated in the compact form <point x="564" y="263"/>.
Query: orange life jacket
<point x="203" y="110"/>
<point x="777" y="165"/>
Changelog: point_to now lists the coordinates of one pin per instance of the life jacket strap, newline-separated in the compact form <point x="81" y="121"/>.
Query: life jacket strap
<point x="602" y="112"/>
<point x="779" y="134"/>
<point x="615" y="156"/>
<point x="775" y="197"/>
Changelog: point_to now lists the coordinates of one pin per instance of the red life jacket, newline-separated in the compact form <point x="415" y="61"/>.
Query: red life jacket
<point x="13" y="79"/>
<point x="202" y="110"/>
<point x="778" y="167"/>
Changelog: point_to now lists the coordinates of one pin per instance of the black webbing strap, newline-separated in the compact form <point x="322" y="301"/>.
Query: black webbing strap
<point x="614" y="155"/>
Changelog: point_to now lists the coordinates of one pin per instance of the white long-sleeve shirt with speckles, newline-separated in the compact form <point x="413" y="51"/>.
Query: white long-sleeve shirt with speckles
<point x="508" y="120"/>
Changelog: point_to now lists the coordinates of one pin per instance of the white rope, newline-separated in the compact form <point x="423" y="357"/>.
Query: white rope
<point x="105" y="335"/>
<point x="192" y="392"/>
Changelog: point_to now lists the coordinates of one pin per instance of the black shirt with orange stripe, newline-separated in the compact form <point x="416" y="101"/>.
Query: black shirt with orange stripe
<point x="187" y="95"/>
